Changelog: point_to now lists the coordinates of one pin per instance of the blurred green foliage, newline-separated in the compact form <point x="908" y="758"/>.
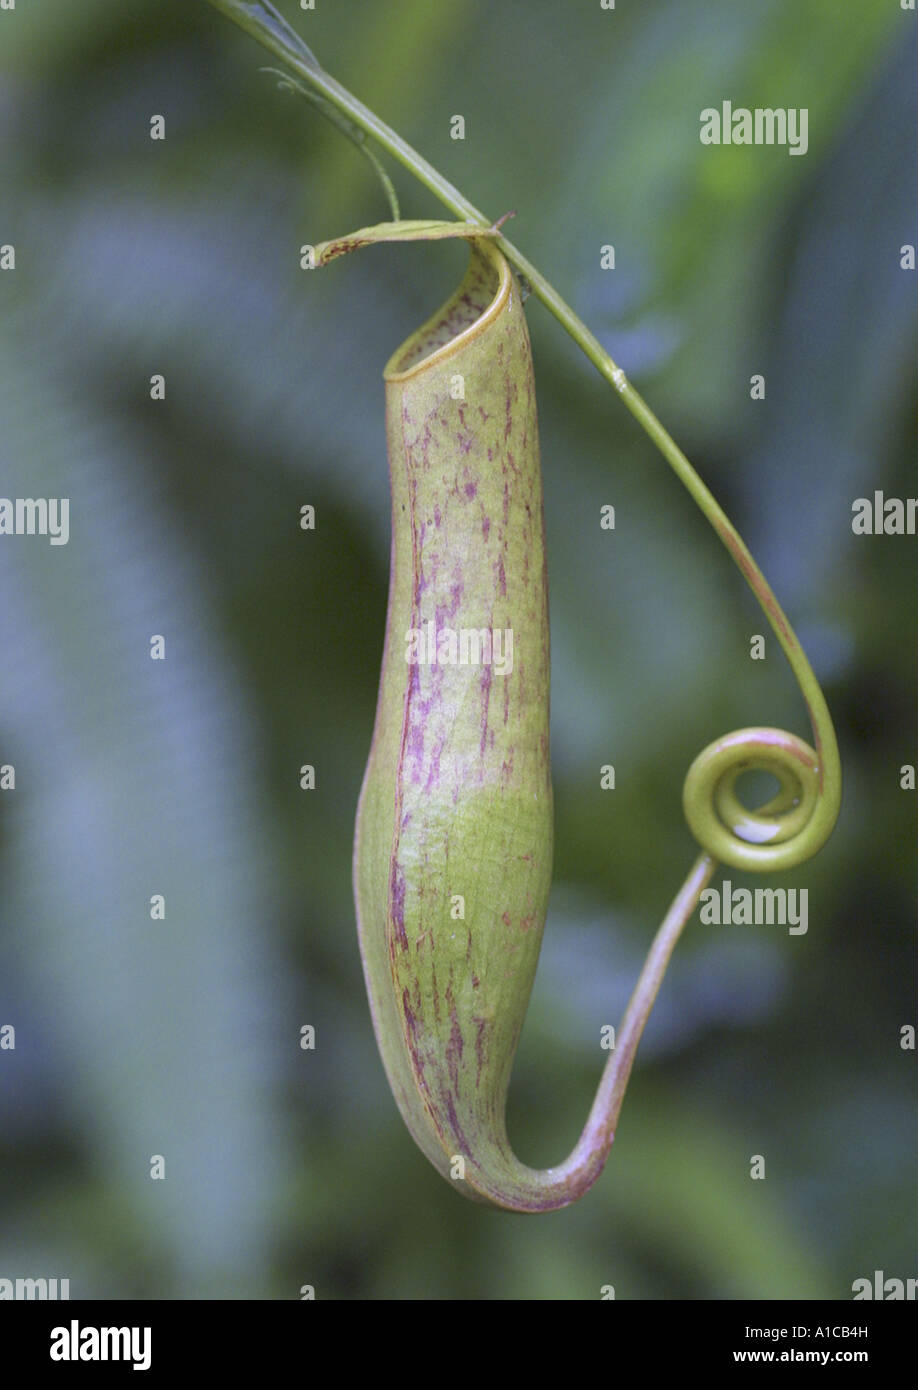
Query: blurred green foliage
<point x="181" y="257"/>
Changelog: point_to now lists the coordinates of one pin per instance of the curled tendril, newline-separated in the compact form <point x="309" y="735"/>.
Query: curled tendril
<point x="797" y="821"/>
<point x="787" y="830"/>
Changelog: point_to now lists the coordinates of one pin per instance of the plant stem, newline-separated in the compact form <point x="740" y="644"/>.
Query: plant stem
<point x="603" y="1120"/>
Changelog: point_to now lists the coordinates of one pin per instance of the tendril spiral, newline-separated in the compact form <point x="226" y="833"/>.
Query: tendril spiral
<point x="787" y="830"/>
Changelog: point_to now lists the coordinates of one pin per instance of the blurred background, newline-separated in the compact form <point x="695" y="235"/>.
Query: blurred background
<point x="180" y="1037"/>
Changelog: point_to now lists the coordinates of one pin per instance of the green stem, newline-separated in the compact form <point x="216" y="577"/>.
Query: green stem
<point x="603" y="1121"/>
<point x="259" y="19"/>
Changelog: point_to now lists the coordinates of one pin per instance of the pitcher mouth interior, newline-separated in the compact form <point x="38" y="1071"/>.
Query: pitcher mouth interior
<point x="480" y="296"/>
